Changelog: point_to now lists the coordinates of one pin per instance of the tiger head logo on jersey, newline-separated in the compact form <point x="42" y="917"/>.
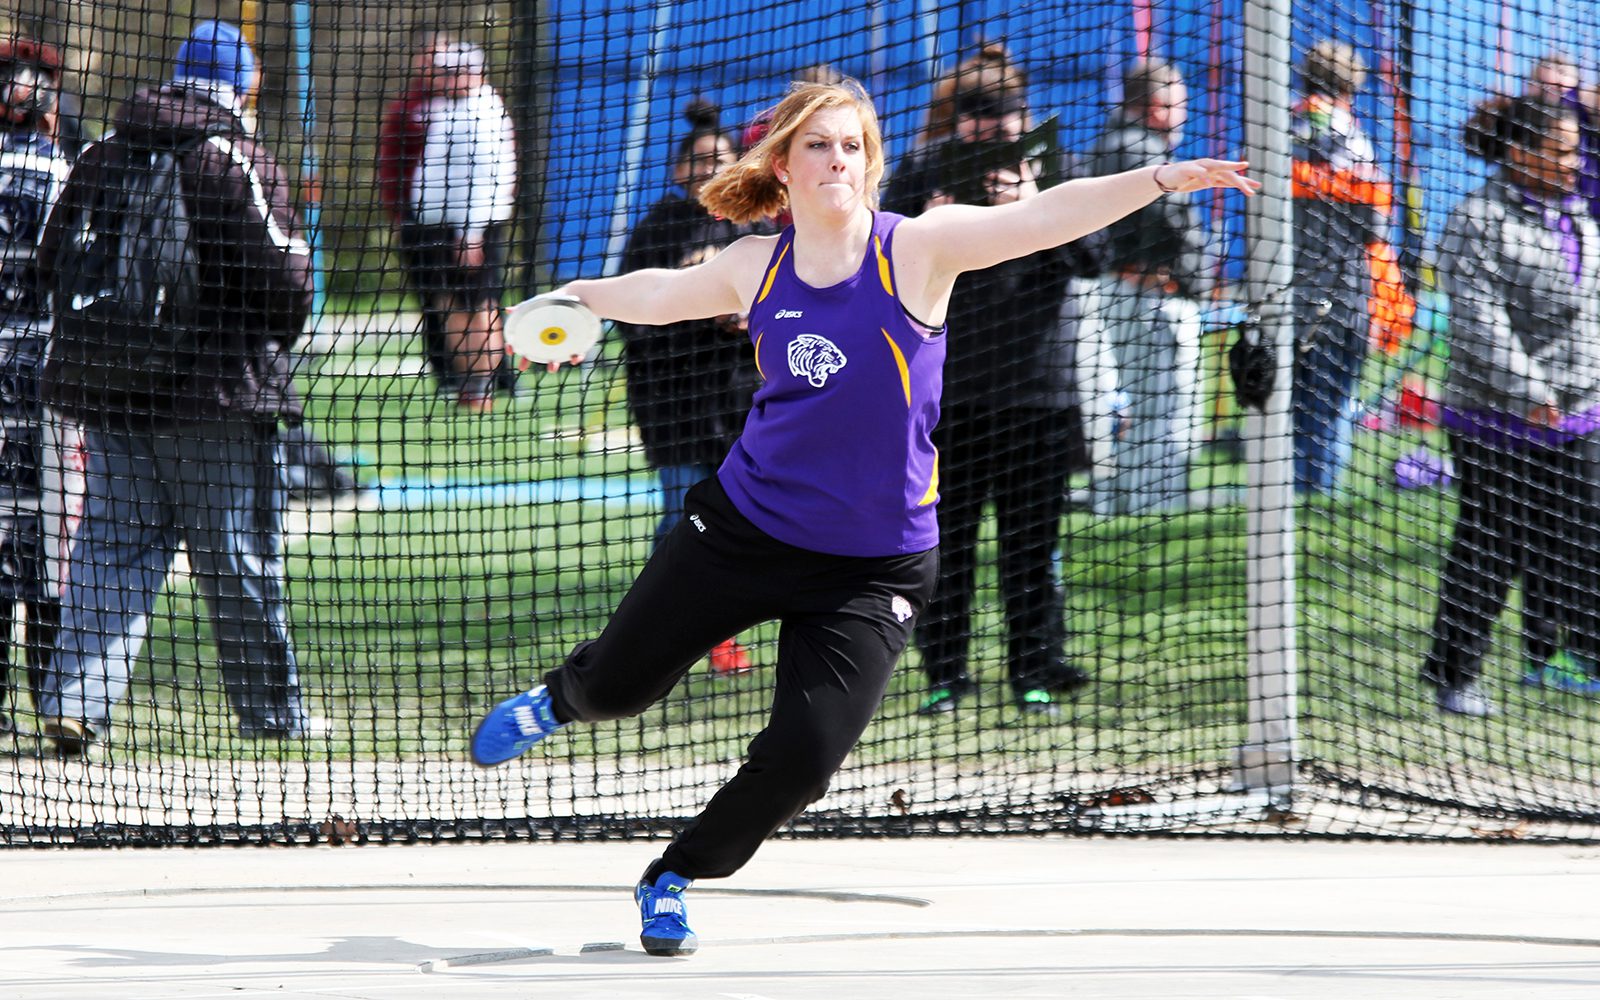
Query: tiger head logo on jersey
<point x="814" y="358"/>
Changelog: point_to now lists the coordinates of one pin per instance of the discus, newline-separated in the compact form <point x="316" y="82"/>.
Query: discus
<point x="549" y="329"/>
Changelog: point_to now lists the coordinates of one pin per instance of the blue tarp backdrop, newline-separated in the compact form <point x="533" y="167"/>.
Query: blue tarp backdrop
<point x="622" y="77"/>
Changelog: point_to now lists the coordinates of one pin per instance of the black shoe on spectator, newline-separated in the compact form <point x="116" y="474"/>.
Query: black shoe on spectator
<point x="942" y="699"/>
<point x="506" y="377"/>
<point x="71" y="737"/>
<point x="1039" y="703"/>
<point x="1065" y="679"/>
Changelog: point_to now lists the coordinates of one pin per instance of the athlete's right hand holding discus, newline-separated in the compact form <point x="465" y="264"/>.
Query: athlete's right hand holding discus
<point x="823" y="515"/>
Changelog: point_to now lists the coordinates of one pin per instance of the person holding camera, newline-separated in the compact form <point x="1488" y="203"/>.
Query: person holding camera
<point x="1148" y="304"/>
<point x="1011" y="429"/>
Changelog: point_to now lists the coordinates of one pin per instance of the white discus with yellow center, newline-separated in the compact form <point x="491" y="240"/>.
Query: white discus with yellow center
<point x="551" y="329"/>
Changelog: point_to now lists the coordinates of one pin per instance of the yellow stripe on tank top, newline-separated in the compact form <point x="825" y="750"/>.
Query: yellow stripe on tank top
<point x="763" y="374"/>
<point x="933" y="484"/>
<point x="772" y="275"/>
<point x="900" y="363"/>
<point x="883" y="267"/>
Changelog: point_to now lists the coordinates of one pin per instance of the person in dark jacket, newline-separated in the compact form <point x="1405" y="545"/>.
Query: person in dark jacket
<point x="1149" y="302"/>
<point x="689" y="384"/>
<point x="1010" y="430"/>
<point x="197" y="464"/>
<point x="1342" y="205"/>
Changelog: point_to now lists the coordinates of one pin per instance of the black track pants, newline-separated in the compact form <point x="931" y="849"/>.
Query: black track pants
<point x="845" y="621"/>
<point x="1525" y="513"/>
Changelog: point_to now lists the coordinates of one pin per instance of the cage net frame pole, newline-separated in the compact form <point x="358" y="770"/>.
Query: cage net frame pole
<point x="1266" y="761"/>
<point x="628" y="179"/>
<point x="310" y="164"/>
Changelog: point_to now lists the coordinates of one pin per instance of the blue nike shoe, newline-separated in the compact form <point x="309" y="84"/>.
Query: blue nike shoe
<point x="513" y="726"/>
<point x="666" y="923"/>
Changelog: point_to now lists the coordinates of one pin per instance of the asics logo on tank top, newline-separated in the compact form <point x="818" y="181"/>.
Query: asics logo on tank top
<point x="814" y="358"/>
<point x="788" y="314"/>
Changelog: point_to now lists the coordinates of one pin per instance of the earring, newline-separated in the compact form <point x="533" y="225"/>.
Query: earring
<point x="783" y="178"/>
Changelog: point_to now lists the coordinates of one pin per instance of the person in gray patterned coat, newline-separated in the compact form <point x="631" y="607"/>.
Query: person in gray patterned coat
<point x="1148" y="304"/>
<point x="1520" y="261"/>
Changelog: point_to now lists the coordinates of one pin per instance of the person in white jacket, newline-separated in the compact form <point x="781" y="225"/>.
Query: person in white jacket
<point x="463" y="196"/>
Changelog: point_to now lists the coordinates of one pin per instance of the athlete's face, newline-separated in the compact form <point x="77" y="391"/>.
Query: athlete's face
<point x="826" y="165"/>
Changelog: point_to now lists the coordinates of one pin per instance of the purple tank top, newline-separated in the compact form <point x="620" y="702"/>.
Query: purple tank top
<point x="836" y="456"/>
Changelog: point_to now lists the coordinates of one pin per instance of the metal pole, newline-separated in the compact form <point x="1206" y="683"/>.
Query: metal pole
<point x="1266" y="761"/>
<point x="310" y="169"/>
<point x="628" y="182"/>
<point x="535" y="81"/>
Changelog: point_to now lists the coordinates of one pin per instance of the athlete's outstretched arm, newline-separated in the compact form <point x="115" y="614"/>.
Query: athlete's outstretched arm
<point x="959" y="238"/>
<point x="658" y="296"/>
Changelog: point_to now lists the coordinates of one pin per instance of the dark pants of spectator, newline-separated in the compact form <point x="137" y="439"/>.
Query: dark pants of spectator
<point x="214" y="486"/>
<point x="23" y="453"/>
<point x="1325" y="372"/>
<point x="845" y="621"/>
<point x="1533" y="513"/>
<point x="429" y="256"/>
<point x="1019" y="458"/>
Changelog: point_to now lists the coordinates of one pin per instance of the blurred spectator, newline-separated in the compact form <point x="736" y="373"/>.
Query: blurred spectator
<point x="1010" y="429"/>
<point x="182" y="441"/>
<point x="447" y="174"/>
<point x="37" y="447"/>
<point x="1342" y="205"/>
<point x="1520" y="261"/>
<point x="1154" y="274"/>
<point x="689" y="384"/>
<point x="1554" y="79"/>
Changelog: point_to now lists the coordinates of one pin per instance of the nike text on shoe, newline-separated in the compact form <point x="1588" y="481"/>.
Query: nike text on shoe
<point x="666" y="923"/>
<point x="513" y="726"/>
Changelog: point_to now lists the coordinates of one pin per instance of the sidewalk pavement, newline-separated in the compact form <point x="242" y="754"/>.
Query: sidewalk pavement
<point x="886" y="920"/>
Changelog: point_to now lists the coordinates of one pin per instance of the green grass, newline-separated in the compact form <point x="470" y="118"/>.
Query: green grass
<point x="408" y="623"/>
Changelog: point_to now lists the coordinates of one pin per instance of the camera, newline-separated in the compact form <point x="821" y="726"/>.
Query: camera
<point x="962" y="169"/>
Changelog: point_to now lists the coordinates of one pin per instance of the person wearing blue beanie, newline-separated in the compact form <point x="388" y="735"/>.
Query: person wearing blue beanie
<point x="216" y="51"/>
<point x="200" y="436"/>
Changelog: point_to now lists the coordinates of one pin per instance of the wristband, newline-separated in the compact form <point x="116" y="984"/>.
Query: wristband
<point x="1157" y="178"/>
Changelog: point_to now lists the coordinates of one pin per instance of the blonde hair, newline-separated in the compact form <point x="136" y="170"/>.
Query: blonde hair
<point x="749" y="191"/>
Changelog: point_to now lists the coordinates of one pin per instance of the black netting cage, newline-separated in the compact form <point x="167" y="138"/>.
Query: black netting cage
<point x="1273" y="516"/>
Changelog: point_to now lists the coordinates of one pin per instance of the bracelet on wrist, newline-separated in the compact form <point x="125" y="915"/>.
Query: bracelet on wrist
<point x="1157" y="178"/>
